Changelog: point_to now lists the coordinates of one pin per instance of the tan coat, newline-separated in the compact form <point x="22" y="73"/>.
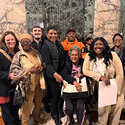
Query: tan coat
<point x="114" y="70"/>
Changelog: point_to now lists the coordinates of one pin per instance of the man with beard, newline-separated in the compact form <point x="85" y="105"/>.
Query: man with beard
<point x="37" y="37"/>
<point x="72" y="41"/>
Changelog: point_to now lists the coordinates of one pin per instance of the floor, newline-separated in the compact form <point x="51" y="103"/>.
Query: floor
<point x="50" y="121"/>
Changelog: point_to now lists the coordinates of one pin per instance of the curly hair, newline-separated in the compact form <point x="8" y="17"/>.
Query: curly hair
<point x="3" y="44"/>
<point x="106" y="51"/>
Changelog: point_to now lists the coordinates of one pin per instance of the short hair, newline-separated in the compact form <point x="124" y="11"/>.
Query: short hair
<point x="3" y="44"/>
<point x="36" y="27"/>
<point x="51" y="27"/>
<point x="117" y="34"/>
<point x="76" y="48"/>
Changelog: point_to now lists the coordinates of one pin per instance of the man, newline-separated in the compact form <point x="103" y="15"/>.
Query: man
<point x="88" y="41"/>
<point x="37" y="37"/>
<point x="37" y="44"/>
<point x="72" y="41"/>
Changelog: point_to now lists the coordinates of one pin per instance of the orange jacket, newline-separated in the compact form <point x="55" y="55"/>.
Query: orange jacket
<point x="67" y="45"/>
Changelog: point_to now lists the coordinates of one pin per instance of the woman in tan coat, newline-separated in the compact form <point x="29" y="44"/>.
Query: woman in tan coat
<point x="27" y="64"/>
<point x="102" y="65"/>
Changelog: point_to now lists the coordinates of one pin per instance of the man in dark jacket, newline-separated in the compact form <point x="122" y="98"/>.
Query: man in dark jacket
<point x="37" y="37"/>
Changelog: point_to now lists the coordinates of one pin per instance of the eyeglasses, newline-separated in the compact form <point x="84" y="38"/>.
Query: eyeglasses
<point x="117" y="40"/>
<point x="76" y="55"/>
<point x="22" y="42"/>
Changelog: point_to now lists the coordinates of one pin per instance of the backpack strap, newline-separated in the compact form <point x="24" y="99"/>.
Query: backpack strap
<point x="6" y="55"/>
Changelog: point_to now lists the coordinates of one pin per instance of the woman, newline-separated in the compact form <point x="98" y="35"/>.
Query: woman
<point x="71" y="71"/>
<point x="53" y="56"/>
<point x="118" y="40"/>
<point x="28" y="67"/>
<point x="111" y="67"/>
<point x="8" y="47"/>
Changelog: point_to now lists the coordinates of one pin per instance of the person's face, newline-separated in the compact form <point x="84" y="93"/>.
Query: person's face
<point x="52" y="35"/>
<point x="74" y="56"/>
<point x="71" y="36"/>
<point x="26" y="44"/>
<point x="10" y="41"/>
<point x="37" y="33"/>
<point x="89" y="41"/>
<point x="98" y="47"/>
<point x="118" y="41"/>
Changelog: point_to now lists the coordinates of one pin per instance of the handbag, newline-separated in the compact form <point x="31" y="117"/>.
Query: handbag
<point x="18" y="99"/>
<point x="70" y="91"/>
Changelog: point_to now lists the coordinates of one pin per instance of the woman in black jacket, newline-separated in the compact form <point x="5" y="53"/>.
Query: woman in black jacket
<point x="71" y="71"/>
<point x="8" y="47"/>
<point x="53" y="56"/>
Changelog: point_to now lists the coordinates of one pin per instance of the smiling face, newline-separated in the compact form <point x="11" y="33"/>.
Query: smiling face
<point x="98" y="47"/>
<point x="10" y="41"/>
<point x="71" y="36"/>
<point x="52" y="35"/>
<point x="74" y="56"/>
<point x="37" y="33"/>
<point x="118" y="41"/>
<point x="26" y="44"/>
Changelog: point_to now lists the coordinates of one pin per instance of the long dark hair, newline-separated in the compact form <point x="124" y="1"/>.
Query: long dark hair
<point x="3" y="44"/>
<point x="106" y="51"/>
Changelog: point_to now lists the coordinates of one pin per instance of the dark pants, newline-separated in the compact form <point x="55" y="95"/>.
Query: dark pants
<point x="10" y="112"/>
<point x="80" y="110"/>
<point x="55" y="96"/>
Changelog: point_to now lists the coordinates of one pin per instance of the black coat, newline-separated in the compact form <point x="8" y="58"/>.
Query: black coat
<point x="37" y="46"/>
<point x="5" y="82"/>
<point x="53" y="56"/>
<point x="67" y="70"/>
<point x="121" y="56"/>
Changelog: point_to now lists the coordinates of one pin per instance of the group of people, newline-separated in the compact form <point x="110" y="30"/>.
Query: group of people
<point x="41" y="65"/>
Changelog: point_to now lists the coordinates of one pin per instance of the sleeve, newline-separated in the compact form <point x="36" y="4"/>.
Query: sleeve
<point x="3" y="74"/>
<point x="119" y="71"/>
<point x="16" y="66"/>
<point x="86" y="69"/>
<point x="47" y="59"/>
<point x="67" y="75"/>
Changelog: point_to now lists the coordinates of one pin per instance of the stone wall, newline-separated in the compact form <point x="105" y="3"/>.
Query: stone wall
<point x="106" y="19"/>
<point x="97" y="17"/>
<point x="12" y="16"/>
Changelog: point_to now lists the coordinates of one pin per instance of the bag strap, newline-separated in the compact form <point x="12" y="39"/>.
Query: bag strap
<point x="6" y="55"/>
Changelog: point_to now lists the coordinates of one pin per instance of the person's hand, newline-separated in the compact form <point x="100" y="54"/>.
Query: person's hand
<point x="33" y="70"/>
<point x="79" y="74"/>
<point x="105" y="80"/>
<point x="58" y="77"/>
<point x="78" y="86"/>
<point x="13" y="76"/>
<point x="40" y="69"/>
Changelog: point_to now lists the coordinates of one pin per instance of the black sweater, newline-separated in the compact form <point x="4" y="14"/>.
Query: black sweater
<point x="67" y="70"/>
<point x="5" y="82"/>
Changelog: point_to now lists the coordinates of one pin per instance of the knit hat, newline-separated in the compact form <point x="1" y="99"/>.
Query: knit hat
<point x="25" y="36"/>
